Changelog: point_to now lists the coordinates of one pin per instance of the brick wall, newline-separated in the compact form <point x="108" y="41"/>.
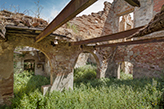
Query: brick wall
<point x="157" y="5"/>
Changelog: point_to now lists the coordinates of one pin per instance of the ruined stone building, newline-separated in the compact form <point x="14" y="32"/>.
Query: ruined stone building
<point x="31" y="59"/>
<point x="143" y="60"/>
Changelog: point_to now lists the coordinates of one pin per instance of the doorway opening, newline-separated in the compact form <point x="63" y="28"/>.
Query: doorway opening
<point x="126" y="70"/>
<point x="30" y="59"/>
<point x="85" y="68"/>
<point x="31" y="72"/>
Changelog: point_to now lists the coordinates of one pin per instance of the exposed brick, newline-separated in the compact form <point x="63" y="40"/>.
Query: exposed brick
<point x="157" y="5"/>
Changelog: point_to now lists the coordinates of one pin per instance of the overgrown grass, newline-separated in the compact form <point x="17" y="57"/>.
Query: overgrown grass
<point x="124" y="76"/>
<point x="72" y="26"/>
<point x="88" y="94"/>
<point x="85" y="73"/>
<point x="27" y="91"/>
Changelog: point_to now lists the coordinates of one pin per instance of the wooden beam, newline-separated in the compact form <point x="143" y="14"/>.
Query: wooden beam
<point x="28" y="32"/>
<point x="133" y="2"/>
<point x="142" y="41"/>
<point x="114" y="36"/>
<point x="70" y="11"/>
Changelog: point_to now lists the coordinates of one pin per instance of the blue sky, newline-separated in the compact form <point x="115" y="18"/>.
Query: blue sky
<point x="50" y="7"/>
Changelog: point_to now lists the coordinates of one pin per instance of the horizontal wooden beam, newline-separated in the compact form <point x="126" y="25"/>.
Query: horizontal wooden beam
<point x="70" y="11"/>
<point x="142" y="41"/>
<point x="114" y="36"/>
<point x="29" y="32"/>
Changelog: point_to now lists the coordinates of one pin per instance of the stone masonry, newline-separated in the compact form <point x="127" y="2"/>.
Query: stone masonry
<point x="28" y="58"/>
<point x="147" y="59"/>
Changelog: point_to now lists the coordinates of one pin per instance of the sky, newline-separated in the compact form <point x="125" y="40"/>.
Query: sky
<point x="50" y="7"/>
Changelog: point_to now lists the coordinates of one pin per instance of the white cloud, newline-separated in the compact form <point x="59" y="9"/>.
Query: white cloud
<point x="96" y="7"/>
<point x="51" y="15"/>
<point x="54" y="12"/>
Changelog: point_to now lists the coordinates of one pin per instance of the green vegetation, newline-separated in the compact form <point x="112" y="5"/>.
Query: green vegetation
<point x="124" y="76"/>
<point x="85" y="73"/>
<point x="88" y="94"/>
<point x="72" y="26"/>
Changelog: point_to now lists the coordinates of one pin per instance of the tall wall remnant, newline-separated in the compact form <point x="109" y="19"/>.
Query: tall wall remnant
<point x="147" y="59"/>
<point x="90" y="26"/>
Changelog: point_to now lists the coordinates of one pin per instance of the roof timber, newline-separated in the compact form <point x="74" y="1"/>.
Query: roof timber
<point x="28" y="32"/>
<point x="143" y="41"/>
<point x="114" y="36"/>
<point x="70" y="11"/>
<point x="148" y="39"/>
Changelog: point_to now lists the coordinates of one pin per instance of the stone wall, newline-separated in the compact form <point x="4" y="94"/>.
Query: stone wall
<point x="61" y="68"/>
<point x="88" y="26"/>
<point x="147" y="59"/>
<point x="47" y="67"/>
<point x="62" y="59"/>
<point x="41" y="66"/>
<point x="19" y="19"/>
<point x="157" y="5"/>
<point x="6" y="89"/>
<point x="139" y="55"/>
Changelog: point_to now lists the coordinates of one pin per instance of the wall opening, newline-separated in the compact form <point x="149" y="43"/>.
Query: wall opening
<point x="86" y="68"/>
<point x="29" y="65"/>
<point x="126" y="22"/>
<point x="32" y="60"/>
<point x="126" y="70"/>
<point x="31" y="71"/>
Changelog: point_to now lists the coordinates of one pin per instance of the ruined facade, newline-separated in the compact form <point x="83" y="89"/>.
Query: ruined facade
<point x="147" y="59"/>
<point x="31" y="59"/>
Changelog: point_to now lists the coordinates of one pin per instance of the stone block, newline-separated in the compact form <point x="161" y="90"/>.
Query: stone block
<point x="64" y="81"/>
<point x="45" y="89"/>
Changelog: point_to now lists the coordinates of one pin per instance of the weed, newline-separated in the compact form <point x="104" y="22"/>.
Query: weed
<point x="106" y="93"/>
<point x="72" y="26"/>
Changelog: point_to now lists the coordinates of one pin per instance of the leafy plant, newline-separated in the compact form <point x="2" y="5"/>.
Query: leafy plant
<point x="124" y="76"/>
<point x="87" y="72"/>
<point x="105" y="93"/>
<point x="72" y="26"/>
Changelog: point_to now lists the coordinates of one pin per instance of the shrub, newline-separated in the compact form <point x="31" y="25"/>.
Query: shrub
<point x="87" y="72"/>
<point x="124" y="76"/>
<point x="89" y="94"/>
